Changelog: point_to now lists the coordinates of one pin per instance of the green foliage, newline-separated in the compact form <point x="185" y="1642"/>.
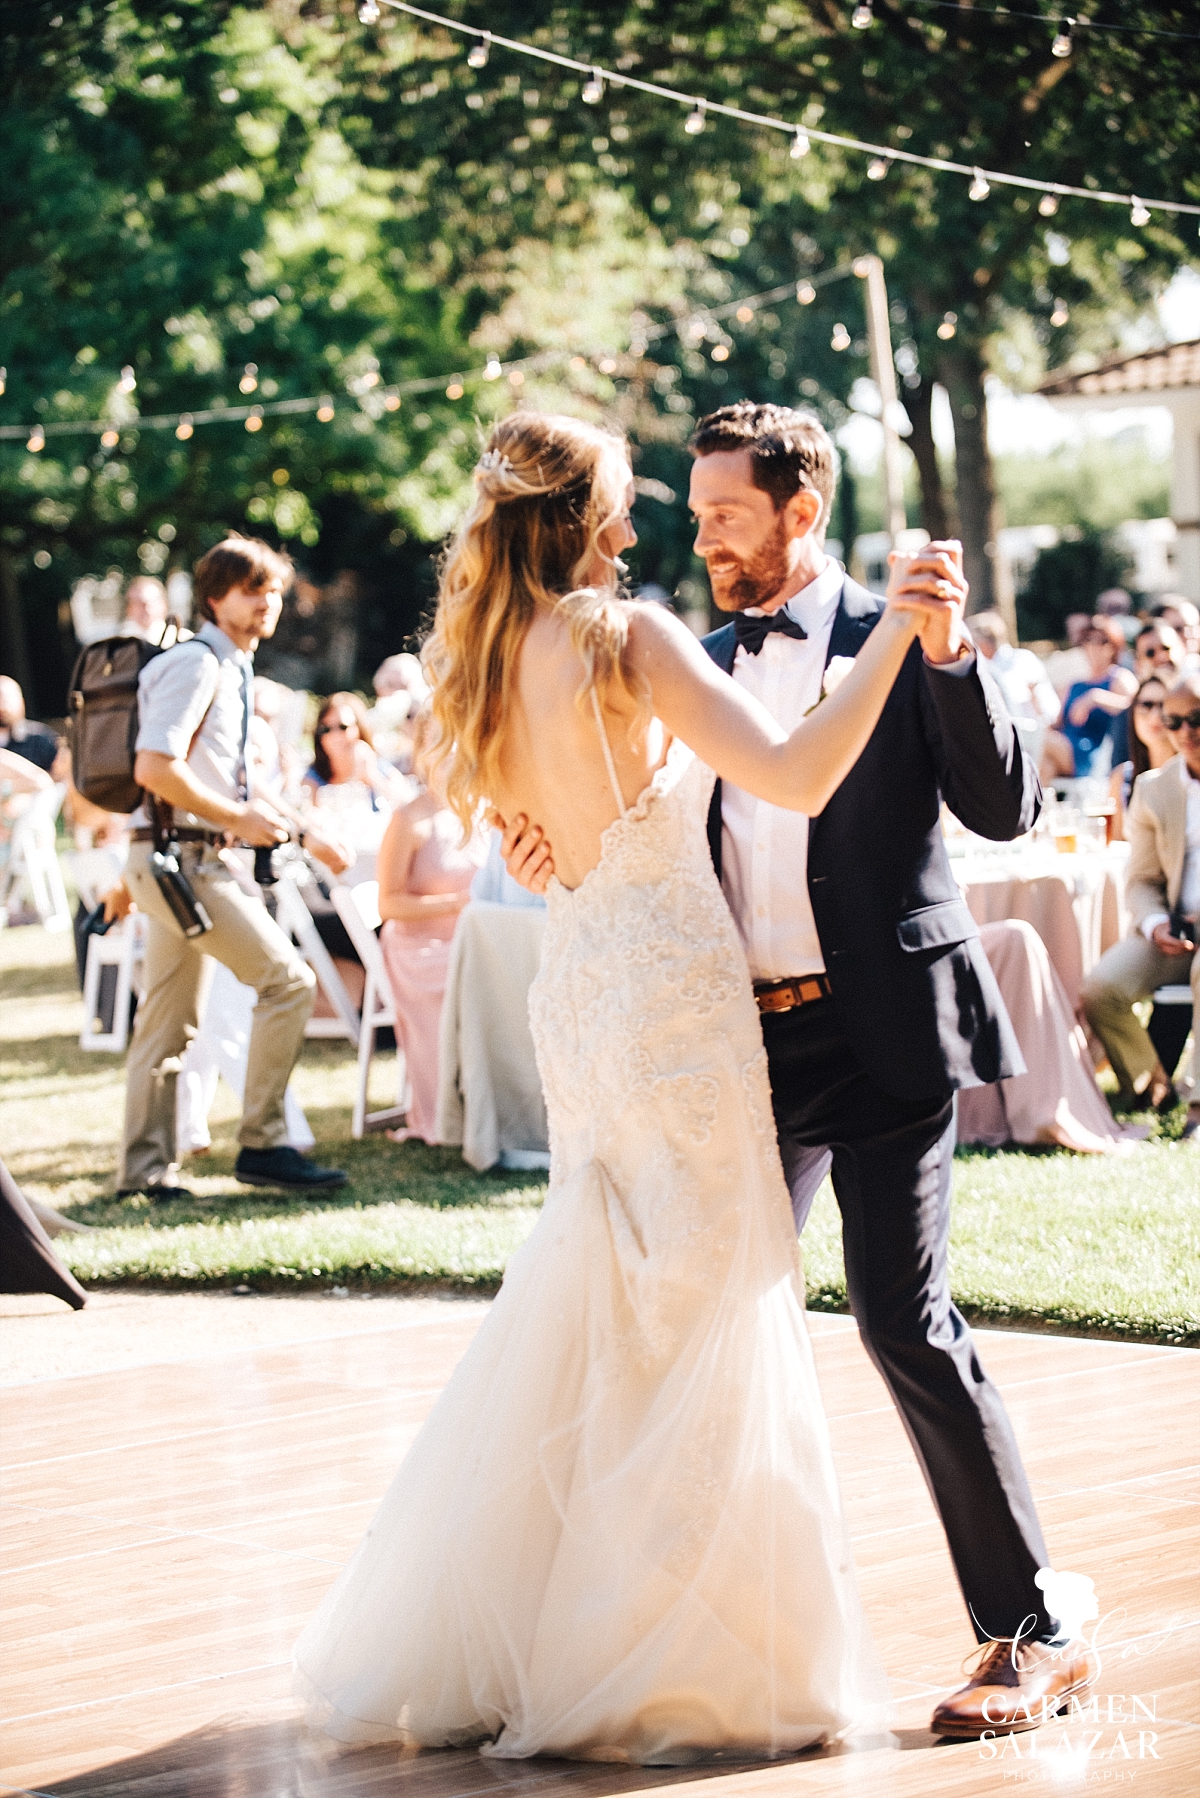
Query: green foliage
<point x="1067" y="578"/>
<point x="1096" y="485"/>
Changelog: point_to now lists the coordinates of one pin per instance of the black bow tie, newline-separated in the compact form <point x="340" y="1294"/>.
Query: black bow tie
<point x="752" y="633"/>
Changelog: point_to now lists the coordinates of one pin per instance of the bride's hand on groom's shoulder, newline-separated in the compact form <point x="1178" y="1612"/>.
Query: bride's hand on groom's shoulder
<point x="526" y="853"/>
<point x="932" y="585"/>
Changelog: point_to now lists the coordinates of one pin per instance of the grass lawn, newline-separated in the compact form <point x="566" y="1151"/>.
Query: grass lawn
<point x="1099" y="1245"/>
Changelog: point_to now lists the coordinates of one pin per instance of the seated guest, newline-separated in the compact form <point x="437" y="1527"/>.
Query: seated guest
<point x="20" y="779"/>
<point x="1163" y="827"/>
<point x="1020" y="675"/>
<point x="346" y="773"/>
<point x="1149" y="747"/>
<point x="34" y="742"/>
<point x="400" y="692"/>
<point x="1056" y="1102"/>
<point x="145" y="609"/>
<point x="1158" y="649"/>
<point x="1091" y="734"/>
<point x="425" y="875"/>
<point x="1183" y="618"/>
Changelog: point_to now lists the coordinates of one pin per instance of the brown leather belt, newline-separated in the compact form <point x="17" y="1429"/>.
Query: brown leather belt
<point x="146" y="834"/>
<point x="785" y="995"/>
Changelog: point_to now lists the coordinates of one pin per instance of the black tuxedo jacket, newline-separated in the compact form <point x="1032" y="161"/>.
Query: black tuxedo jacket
<point x="914" y="994"/>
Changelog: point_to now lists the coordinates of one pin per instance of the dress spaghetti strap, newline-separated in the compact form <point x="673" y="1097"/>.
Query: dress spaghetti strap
<point x="622" y="808"/>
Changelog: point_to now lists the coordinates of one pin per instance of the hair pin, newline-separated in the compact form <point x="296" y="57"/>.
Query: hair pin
<point x="493" y="461"/>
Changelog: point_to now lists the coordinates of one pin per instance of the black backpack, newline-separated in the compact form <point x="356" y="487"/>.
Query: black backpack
<point x="102" y="721"/>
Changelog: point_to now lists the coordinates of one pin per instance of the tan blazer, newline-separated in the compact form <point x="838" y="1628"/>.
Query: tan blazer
<point x="1156" y="826"/>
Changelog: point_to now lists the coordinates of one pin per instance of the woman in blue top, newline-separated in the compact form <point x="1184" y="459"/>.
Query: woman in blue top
<point x="1094" y="710"/>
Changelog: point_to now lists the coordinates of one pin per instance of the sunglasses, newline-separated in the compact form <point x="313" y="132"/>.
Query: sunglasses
<point x="327" y="730"/>
<point x="1173" y="722"/>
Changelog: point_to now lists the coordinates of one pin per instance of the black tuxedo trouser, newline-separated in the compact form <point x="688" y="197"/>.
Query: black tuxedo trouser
<point x="891" y="1173"/>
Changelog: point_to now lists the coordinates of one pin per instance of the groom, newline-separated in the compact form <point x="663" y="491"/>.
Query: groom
<point x="877" y="1001"/>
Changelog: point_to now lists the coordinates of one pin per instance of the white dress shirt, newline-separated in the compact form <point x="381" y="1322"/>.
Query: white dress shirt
<point x="1189" y="886"/>
<point x="764" y="849"/>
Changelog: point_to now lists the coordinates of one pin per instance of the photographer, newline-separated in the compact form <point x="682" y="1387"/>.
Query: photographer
<point x="195" y="704"/>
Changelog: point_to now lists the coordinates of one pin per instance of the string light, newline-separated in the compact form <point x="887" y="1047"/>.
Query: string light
<point x="840" y="339"/>
<point x="37" y="439"/>
<point x="745" y="314"/>
<point x="720" y="352"/>
<point x="128" y="380"/>
<point x="980" y="187"/>
<point x="455" y="389"/>
<point x="1048" y="205"/>
<point x="806" y="293"/>
<point x="882" y="155"/>
<point x="592" y="91"/>
<point x="249" y="380"/>
<point x="948" y="326"/>
<point x="391" y="402"/>
<point x="109" y="439"/>
<point x="1060" y="315"/>
<point x="1062" y="45"/>
<point x="325" y="409"/>
<point x="494" y="369"/>
<point x="368" y="12"/>
<point x="185" y="428"/>
<point x="607" y="365"/>
<point x="862" y="18"/>
<point x="477" y="55"/>
<point x="1140" y="213"/>
<point x="255" y="420"/>
<point x="801" y="143"/>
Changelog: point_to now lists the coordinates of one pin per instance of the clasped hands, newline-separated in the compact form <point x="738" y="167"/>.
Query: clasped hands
<point x="931" y="585"/>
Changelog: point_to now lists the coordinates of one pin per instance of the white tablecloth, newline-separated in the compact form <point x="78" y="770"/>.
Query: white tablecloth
<point x="1076" y="903"/>
<point x="489" y="1094"/>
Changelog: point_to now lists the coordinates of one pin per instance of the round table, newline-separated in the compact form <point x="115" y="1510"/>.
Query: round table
<point x="1076" y="903"/>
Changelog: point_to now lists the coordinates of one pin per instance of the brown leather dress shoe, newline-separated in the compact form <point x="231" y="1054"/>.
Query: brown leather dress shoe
<point x="1015" y="1687"/>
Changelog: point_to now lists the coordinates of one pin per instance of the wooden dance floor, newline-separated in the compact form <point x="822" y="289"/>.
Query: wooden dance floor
<point x="170" y="1525"/>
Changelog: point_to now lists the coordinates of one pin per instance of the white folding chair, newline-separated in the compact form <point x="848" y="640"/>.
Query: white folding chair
<point x="109" y="978"/>
<point x="358" y="908"/>
<point x="292" y="915"/>
<point x="33" y="857"/>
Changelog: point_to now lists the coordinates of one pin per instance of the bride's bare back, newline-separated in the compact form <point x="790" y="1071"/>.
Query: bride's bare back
<point x="552" y="760"/>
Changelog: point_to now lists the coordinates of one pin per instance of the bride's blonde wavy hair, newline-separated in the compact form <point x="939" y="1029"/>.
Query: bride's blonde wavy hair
<point x="547" y="487"/>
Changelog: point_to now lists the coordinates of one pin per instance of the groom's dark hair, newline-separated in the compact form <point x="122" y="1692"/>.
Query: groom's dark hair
<point x="789" y="449"/>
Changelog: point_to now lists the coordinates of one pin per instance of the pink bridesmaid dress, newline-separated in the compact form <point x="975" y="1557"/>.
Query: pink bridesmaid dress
<point x="417" y="956"/>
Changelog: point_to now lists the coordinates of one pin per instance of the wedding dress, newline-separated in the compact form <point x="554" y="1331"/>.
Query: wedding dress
<point x="618" y="1536"/>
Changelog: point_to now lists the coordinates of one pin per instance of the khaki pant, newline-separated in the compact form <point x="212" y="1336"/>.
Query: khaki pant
<point x="253" y="947"/>
<point x="1132" y="970"/>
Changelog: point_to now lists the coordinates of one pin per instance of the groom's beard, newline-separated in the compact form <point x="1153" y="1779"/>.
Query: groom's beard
<point x="754" y="582"/>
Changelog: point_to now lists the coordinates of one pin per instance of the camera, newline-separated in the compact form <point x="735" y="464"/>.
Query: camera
<point x="176" y="889"/>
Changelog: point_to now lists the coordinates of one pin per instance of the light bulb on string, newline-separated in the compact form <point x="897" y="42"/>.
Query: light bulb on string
<point x="948" y="326"/>
<point x="1060" y="315"/>
<point x="477" y="55"/>
<point x="800" y="144"/>
<point x="1062" y="45"/>
<point x="455" y="390"/>
<point x="391" y="402"/>
<point x="806" y="293"/>
<point x="1048" y="205"/>
<point x="980" y="187"/>
<point x="878" y="167"/>
<point x="493" y="371"/>
<point x="840" y="339"/>
<point x="128" y="380"/>
<point x="1139" y="212"/>
<point x="720" y="352"/>
<point x="249" y="380"/>
<point x="325" y="409"/>
<point x="744" y="315"/>
<point x="592" y="91"/>
<point x="368" y="12"/>
<point x="37" y="440"/>
<point x="607" y="365"/>
<point x="255" y="420"/>
<point x="862" y="18"/>
<point x="695" y="121"/>
<point x="185" y="427"/>
<point x="109" y="439"/>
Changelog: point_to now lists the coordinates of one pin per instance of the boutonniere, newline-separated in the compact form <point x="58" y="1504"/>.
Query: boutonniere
<point x="836" y="670"/>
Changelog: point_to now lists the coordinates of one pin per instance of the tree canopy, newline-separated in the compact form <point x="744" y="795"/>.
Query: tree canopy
<point x="253" y="204"/>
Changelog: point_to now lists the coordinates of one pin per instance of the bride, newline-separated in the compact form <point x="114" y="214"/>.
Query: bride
<point x="618" y="1536"/>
